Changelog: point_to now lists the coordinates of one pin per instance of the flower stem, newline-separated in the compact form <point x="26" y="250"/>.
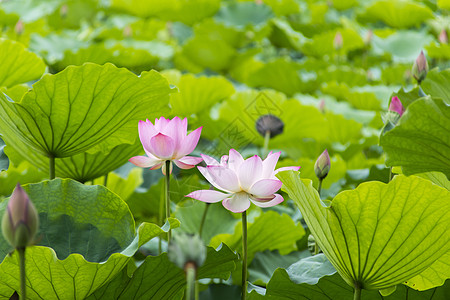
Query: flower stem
<point x="21" y="252"/>
<point x="52" y="166"/>
<point x="244" y="255"/>
<point x="190" y="281"/>
<point x="266" y="143"/>
<point x="169" y="233"/>
<point x="357" y="292"/>
<point x="105" y="180"/>
<point x="203" y="220"/>
<point x="390" y="174"/>
<point x="320" y="186"/>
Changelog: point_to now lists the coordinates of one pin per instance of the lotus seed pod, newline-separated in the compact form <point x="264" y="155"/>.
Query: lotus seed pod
<point x="271" y="124"/>
<point x="186" y="248"/>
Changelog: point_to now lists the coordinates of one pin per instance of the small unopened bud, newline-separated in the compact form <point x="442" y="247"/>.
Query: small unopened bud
<point x="322" y="165"/>
<point x="338" y="42"/>
<point x="20" y="221"/>
<point x="271" y="124"/>
<point x="368" y="37"/>
<point x="19" y="27"/>
<point x="127" y="31"/>
<point x="322" y="106"/>
<point x="186" y="249"/>
<point x="443" y="37"/>
<point x="396" y="105"/>
<point x="420" y="68"/>
<point x="63" y="10"/>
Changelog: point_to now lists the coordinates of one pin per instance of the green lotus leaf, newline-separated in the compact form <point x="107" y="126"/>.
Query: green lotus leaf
<point x="29" y="10"/>
<point x="198" y="93"/>
<point x="439" y="51"/>
<point x="420" y="142"/>
<point x="398" y="14"/>
<point x="18" y="65"/>
<point x="109" y="103"/>
<point x="263" y="234"/>
<point x="378" y="235"/>
<point x="91" y="233"/>
<point x="283" y="35"/>
<point x="158" y="278"/>
<point x="433" y="276"/>
<point x="244" y="15"/>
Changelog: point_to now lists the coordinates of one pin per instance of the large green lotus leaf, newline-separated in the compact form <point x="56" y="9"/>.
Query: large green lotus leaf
<point x="18" y="65"/>
<point x="397" y="13"/>
<point x="71" y="278"/>
<point x="16" y="92"/>
<point x="186" y="11"/>
<point x="322" y="44"/>
<point x="284" y="7"/>
<point x="91" y="233"/>
<point x="264" y="234"/>
<point x="81" y="107"/>
<point x="283" y="75"/>
<point x="437" y="178"/>
<point x="404" y="46"/>
<point x="437" y="84"/>
<point x="322" y="286"/>
<point x="433" y="276"/>
<point x="4" y="161"/>
<point x="283" y="35"/>
<point x="158" y="278"/>
<point x="420" y="142"/>
<point x="198" y="93"/>
<point x="30" y="10"/>
<point x="350" y="75"/>
<point x="244" y="15"/>
<point x="191" y="216"/>
<point x="393" y="244"/>
<point x="443" y="4"/>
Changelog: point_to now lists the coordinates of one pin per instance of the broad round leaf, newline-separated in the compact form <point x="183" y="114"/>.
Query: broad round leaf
<point x="82" y="107"/>
<point x="377" y="235"/>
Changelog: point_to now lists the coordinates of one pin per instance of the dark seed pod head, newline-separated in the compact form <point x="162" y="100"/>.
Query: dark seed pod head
<point x="271" y="124"/>
<point x="187" y="249"/>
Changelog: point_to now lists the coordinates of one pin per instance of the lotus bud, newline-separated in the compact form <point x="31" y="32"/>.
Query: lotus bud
<point x="368" y="38"/>
<point x="338" y="42"/>
<point x="322" y="165"/>
<point x="186" y="249"/>
<point x="322" y="106"/>
<point x="420" y="68"/>
<point x="396" y="105"/>
<point x="127" y="31"/>
<point x="443" y="37"/>
<point x="20" y="221"/>
<point x="271" y="124"/>
<point x="19" y="27"/>
<point x="63" y="11"/>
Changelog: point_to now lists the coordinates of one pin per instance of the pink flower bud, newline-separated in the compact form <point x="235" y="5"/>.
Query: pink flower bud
<point x="63" y="10"/>
<point x="19" y="27"/>
<point x="443" y="37"/>
<point x="420" y="68"/>
<point x="322" y="105"/>
<point x="338" y="41"/>
<point x="396" y="105"/>
<point x="322" y="165"/>
<point x="20" y="221"/>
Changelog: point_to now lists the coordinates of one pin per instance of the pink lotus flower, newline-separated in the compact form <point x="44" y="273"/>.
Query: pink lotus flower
<point x="242" y="181"/>
<point x="167" y="140"/>
<point x="396" y="105"/>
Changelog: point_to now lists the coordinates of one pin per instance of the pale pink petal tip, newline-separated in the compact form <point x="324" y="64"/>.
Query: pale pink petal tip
<point x="276" y="200"/>
<point x="208" y="196"/>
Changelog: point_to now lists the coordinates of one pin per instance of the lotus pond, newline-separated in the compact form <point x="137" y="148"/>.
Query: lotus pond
<point x="208" y="149"/>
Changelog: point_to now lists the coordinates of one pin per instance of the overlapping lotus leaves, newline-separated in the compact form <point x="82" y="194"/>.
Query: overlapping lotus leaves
<point x="83" y="108"/>
<point x="78" y="238"/>
<point x="4" y="161"/>
<point x="158" y="278"/>
<point x="377" y="235"/>
<point x="420" y="142"/>
<point x="18" y="65"/>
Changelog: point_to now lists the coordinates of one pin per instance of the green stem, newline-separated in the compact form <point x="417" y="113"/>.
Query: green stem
<point x="266" y="143"/>
<point x="190" y="281"/>
<point x="316" y="248"/>
<point x="169" y="233"/>
<point x="161" y="215"/>
<point x="357" y="293"/>
<point x="244" y="255"/>
<point x="390" y="174"/>
<point x="52" y="167"/>
<point x="105" y="182"/>
<point x="23" y="294"/>
<point x="203" y="220"/>
<point x="320" y="186"/>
